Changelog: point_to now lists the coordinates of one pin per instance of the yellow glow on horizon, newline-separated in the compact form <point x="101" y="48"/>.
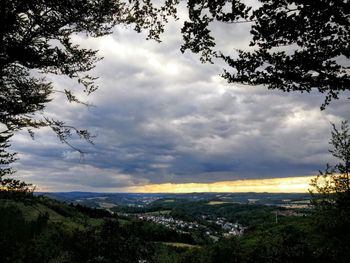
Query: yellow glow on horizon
<point x="273" y="185"/>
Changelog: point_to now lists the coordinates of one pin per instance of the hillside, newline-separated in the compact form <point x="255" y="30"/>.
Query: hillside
<point x="40" y="229"/>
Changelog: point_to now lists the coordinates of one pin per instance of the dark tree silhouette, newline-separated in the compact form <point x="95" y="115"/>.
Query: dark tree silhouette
<point x="331" y="188"/>
<point x="5" y="157"/>
<point x="298" y="45"/>
<point x="331" y="198"/>
<point x="35" y="40"/>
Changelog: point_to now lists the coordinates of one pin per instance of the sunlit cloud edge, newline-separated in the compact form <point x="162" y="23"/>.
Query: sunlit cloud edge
<point x="300" y="184"/>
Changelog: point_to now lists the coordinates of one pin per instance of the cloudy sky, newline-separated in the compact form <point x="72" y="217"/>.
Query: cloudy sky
<point x="162" y="117"/>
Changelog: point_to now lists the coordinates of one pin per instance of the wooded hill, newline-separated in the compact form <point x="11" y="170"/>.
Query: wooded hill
<point x="40" y="229"/>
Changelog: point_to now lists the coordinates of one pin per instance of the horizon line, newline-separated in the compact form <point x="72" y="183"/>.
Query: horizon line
<point x="297" y="184"/>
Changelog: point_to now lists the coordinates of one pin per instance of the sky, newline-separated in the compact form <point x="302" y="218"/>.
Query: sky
<point x="165" y="122"/>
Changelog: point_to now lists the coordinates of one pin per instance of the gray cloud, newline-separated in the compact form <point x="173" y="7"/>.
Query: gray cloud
<point x="162" y="116"/>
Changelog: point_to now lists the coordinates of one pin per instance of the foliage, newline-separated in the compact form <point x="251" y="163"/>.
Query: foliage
<point x="36" y="41"/>
<point x="31" y="232"/>
<point x="296" y="45"/>
<point x="43" y="238"/>
<point x="13" y="188"/>
<point x="16" y="232"/>
<point x="91" y="212"/>
<point x="331" y="197"/>
<point x="10" y="187"/>
<point x="331" y="188"/>
<point x="246" y="214"/>
<point x="6" y="158"/>
<point x="278" y="243"/>
<point x="282" y="243"/>
<point x="108" y="243"/>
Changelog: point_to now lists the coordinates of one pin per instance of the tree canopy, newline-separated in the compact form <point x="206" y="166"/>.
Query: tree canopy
<point x="297" y="45"/>
<point x="36" y="40"/>
<point x="331" y="188"/>
<point x="331" y="198"/>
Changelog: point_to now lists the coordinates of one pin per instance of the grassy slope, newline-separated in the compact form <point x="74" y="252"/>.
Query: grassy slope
<point x="58" y="213"/>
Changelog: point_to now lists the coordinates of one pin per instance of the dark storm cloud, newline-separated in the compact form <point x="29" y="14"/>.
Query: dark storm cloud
<point x="161" y="116"/>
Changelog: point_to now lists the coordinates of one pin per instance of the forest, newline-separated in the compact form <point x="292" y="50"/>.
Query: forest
<point x="35" y="228"/>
